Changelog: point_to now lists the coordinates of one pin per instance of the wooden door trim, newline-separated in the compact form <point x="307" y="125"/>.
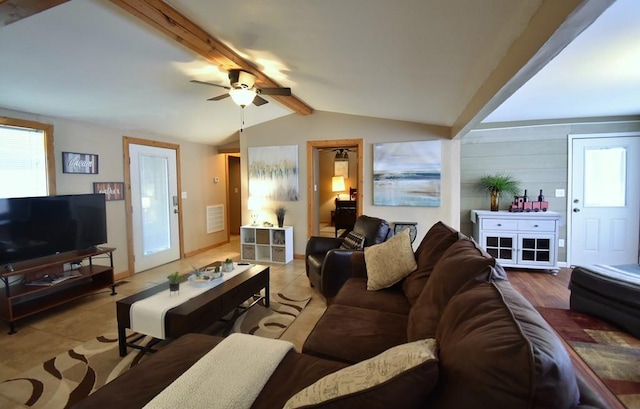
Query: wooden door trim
<point x="126" y="141"/>
<point x="311" y="165"/>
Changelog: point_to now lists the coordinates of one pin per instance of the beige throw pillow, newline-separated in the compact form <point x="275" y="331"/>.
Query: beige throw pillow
<point x="389" y="262"/>
<point x="402" y="376"/>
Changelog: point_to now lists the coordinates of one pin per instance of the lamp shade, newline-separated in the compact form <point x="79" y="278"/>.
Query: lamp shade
<point x="243" y="96"/>
<point x="337" y="184"/>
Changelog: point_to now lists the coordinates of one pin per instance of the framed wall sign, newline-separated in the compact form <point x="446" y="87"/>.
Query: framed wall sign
<point x="73" y="162"/>
<point x="112" y="190"/>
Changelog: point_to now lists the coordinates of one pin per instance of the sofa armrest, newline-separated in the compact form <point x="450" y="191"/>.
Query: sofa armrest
<point x="317" y="244"/>
<point x="336" y="269"/>
<point x="358" y="265"/>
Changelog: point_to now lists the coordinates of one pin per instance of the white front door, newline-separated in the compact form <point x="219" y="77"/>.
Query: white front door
<point x="604" y="202"/>
<point x="154" y="201"/>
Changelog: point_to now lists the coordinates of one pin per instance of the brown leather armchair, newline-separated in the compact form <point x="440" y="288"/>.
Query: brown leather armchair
<point x="328" y="266"/>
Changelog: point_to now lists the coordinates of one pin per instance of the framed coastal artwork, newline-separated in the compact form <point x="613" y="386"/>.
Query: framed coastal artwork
<point x="407" y="173"/>
<point x="273" y="172"/>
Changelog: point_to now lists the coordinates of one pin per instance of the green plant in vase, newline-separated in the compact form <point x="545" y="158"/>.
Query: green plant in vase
<point x="496" y="184"/>
<point x="280" y="212"/>
<point x="174" y="281"/>
<point x="227" y="265"/>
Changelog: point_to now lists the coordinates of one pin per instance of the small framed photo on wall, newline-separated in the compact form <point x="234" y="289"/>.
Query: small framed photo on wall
<point x="86" y="163"/>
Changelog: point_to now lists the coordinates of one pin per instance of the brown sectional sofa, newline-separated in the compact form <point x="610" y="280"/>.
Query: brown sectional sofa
<point x="494" y="349"/>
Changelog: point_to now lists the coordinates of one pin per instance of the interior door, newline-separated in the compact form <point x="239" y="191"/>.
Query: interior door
<point x="154" y="201"/>
<point x="605" y="200"/>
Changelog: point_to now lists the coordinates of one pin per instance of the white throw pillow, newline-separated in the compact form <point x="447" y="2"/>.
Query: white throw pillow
<point x="406" y="373"/>
<point x="389" y="262"/>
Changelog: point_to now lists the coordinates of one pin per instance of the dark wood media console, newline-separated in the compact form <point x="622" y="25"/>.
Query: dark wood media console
<point x="21" y="298"/>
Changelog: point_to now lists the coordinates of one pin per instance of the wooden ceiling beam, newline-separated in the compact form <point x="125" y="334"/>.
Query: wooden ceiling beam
<point x="179" y="28"/>
<point x="15" y="10"/>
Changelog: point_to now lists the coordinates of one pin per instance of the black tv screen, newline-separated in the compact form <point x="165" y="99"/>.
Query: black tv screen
<point x="33" y="227"/>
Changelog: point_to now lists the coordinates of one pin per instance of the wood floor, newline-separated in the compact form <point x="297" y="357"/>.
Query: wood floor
<point x="546" y="290"/>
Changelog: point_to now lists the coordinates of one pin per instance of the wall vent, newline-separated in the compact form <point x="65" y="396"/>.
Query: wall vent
<point x="215" y="218"/>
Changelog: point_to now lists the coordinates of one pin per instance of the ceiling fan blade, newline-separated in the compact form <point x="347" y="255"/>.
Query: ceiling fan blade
<point x="258" y="100"/>
<point x="219" y="97"/>
<point x="275" y="91"/>
<point x="209" y="83"/>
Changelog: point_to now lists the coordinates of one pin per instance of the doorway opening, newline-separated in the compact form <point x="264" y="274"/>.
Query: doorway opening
<point x="234" y="194"/>
<point x="322" y="166"/>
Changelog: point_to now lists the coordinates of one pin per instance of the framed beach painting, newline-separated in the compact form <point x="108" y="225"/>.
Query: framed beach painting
<point x="407" y="173"/>
<point x="273" y="172"/>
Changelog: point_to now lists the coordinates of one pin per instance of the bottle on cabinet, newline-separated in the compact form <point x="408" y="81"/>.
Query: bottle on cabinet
<point x="525" y="198"/>
<point x="540" y="196"/>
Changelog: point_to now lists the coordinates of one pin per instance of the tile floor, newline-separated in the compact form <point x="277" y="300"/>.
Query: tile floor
<point x="50" y="333"/>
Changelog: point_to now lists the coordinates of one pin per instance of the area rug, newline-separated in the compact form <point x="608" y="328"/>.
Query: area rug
<point x="67" y="378"/>
<point x="612" y="354"/>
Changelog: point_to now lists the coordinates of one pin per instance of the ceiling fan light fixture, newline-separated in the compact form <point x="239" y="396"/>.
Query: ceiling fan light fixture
<point x="243" y="96"/>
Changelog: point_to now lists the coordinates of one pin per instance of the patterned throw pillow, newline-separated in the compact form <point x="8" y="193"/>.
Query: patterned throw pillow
<point x="389" y="262"/>
<point x="402" y="376"/>
<point x="353" y="241"/>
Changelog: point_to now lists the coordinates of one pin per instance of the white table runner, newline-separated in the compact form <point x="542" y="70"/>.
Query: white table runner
<point x="147" y="315"/>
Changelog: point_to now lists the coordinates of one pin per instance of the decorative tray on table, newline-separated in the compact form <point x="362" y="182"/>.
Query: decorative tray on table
<point x="206" y="277"/>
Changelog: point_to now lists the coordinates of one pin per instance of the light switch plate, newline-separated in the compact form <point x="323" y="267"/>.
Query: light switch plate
<point x="559" y="192"/>
<point x="184" y="195"/>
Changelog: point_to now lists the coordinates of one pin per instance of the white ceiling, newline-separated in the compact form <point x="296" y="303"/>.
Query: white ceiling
<point x="413" y="60"/>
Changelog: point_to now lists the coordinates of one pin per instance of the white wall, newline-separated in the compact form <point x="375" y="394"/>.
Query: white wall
<point x="297" y="129"/>
<point x="199" y="164"/>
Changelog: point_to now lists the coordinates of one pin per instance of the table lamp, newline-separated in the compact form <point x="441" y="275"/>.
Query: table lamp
<point x="337" y="185"/>
<point x="254" y="205"/>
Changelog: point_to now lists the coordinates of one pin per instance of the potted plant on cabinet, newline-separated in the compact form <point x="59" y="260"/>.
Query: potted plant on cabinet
<point x="280" y="212"/>
<point x="496" y="184"/>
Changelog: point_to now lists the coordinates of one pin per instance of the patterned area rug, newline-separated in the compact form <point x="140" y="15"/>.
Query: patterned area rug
<point x="67" y="378"/>
<point x="612" y="354"/>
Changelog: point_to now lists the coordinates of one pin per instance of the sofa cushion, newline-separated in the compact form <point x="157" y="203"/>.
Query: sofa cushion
<point x="496" y="348"/>
<point x="295" y="372"/>
<point x="352" y="334"/>
<point x="353" y="241"/>
<point x="462" y="262"/>
<point x="389" y="262"/>
<point x="433" y="245"/>
<point x="400" y="377"/>
<point x="354" y="293"/>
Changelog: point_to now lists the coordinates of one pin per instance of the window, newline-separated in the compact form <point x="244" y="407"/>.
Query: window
<point x="27" y="166"/>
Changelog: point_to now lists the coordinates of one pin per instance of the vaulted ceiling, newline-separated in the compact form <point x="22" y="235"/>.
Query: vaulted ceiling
<point x="128" y="64"/>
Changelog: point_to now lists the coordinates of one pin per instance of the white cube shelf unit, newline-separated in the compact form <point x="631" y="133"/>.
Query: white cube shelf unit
<point x="270" y="244"/>
<point x="519" y="239"/>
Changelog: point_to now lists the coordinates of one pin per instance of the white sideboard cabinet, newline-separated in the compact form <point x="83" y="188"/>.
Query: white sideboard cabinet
<point x="523" y="239"/>
<point x="270" y="244"/>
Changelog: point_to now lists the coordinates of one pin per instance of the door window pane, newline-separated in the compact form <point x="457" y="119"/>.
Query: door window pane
<point x="605" y="177"/>
<point x="154" y="190"/>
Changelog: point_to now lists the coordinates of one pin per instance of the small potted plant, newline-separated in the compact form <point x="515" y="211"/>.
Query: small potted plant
<point x="174" y="281"/>
<point x="227" y="265"/>
<point x="217" y="272"/>
<point x="280" y="212"/>
<point x="496" y="184"/>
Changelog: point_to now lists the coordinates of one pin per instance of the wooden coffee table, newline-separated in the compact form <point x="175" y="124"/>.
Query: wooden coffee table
<point x="201" y="311"/>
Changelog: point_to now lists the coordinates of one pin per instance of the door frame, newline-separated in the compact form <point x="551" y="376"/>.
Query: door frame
<point x="570" y="176"/>
<point x="126" y="141"/>
<point x="312" y="149"/>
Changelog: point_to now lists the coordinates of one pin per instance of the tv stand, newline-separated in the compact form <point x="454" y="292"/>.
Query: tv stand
<point x="27" y="290"/>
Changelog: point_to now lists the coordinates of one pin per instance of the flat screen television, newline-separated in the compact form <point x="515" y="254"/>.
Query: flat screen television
<point x="33" y="227"/>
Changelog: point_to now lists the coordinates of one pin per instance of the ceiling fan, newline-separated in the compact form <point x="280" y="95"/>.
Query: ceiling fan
<point x="243" y="89"/>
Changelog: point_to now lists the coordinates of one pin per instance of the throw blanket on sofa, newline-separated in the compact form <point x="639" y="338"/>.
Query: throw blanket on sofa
<point x="230" y="376"/>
